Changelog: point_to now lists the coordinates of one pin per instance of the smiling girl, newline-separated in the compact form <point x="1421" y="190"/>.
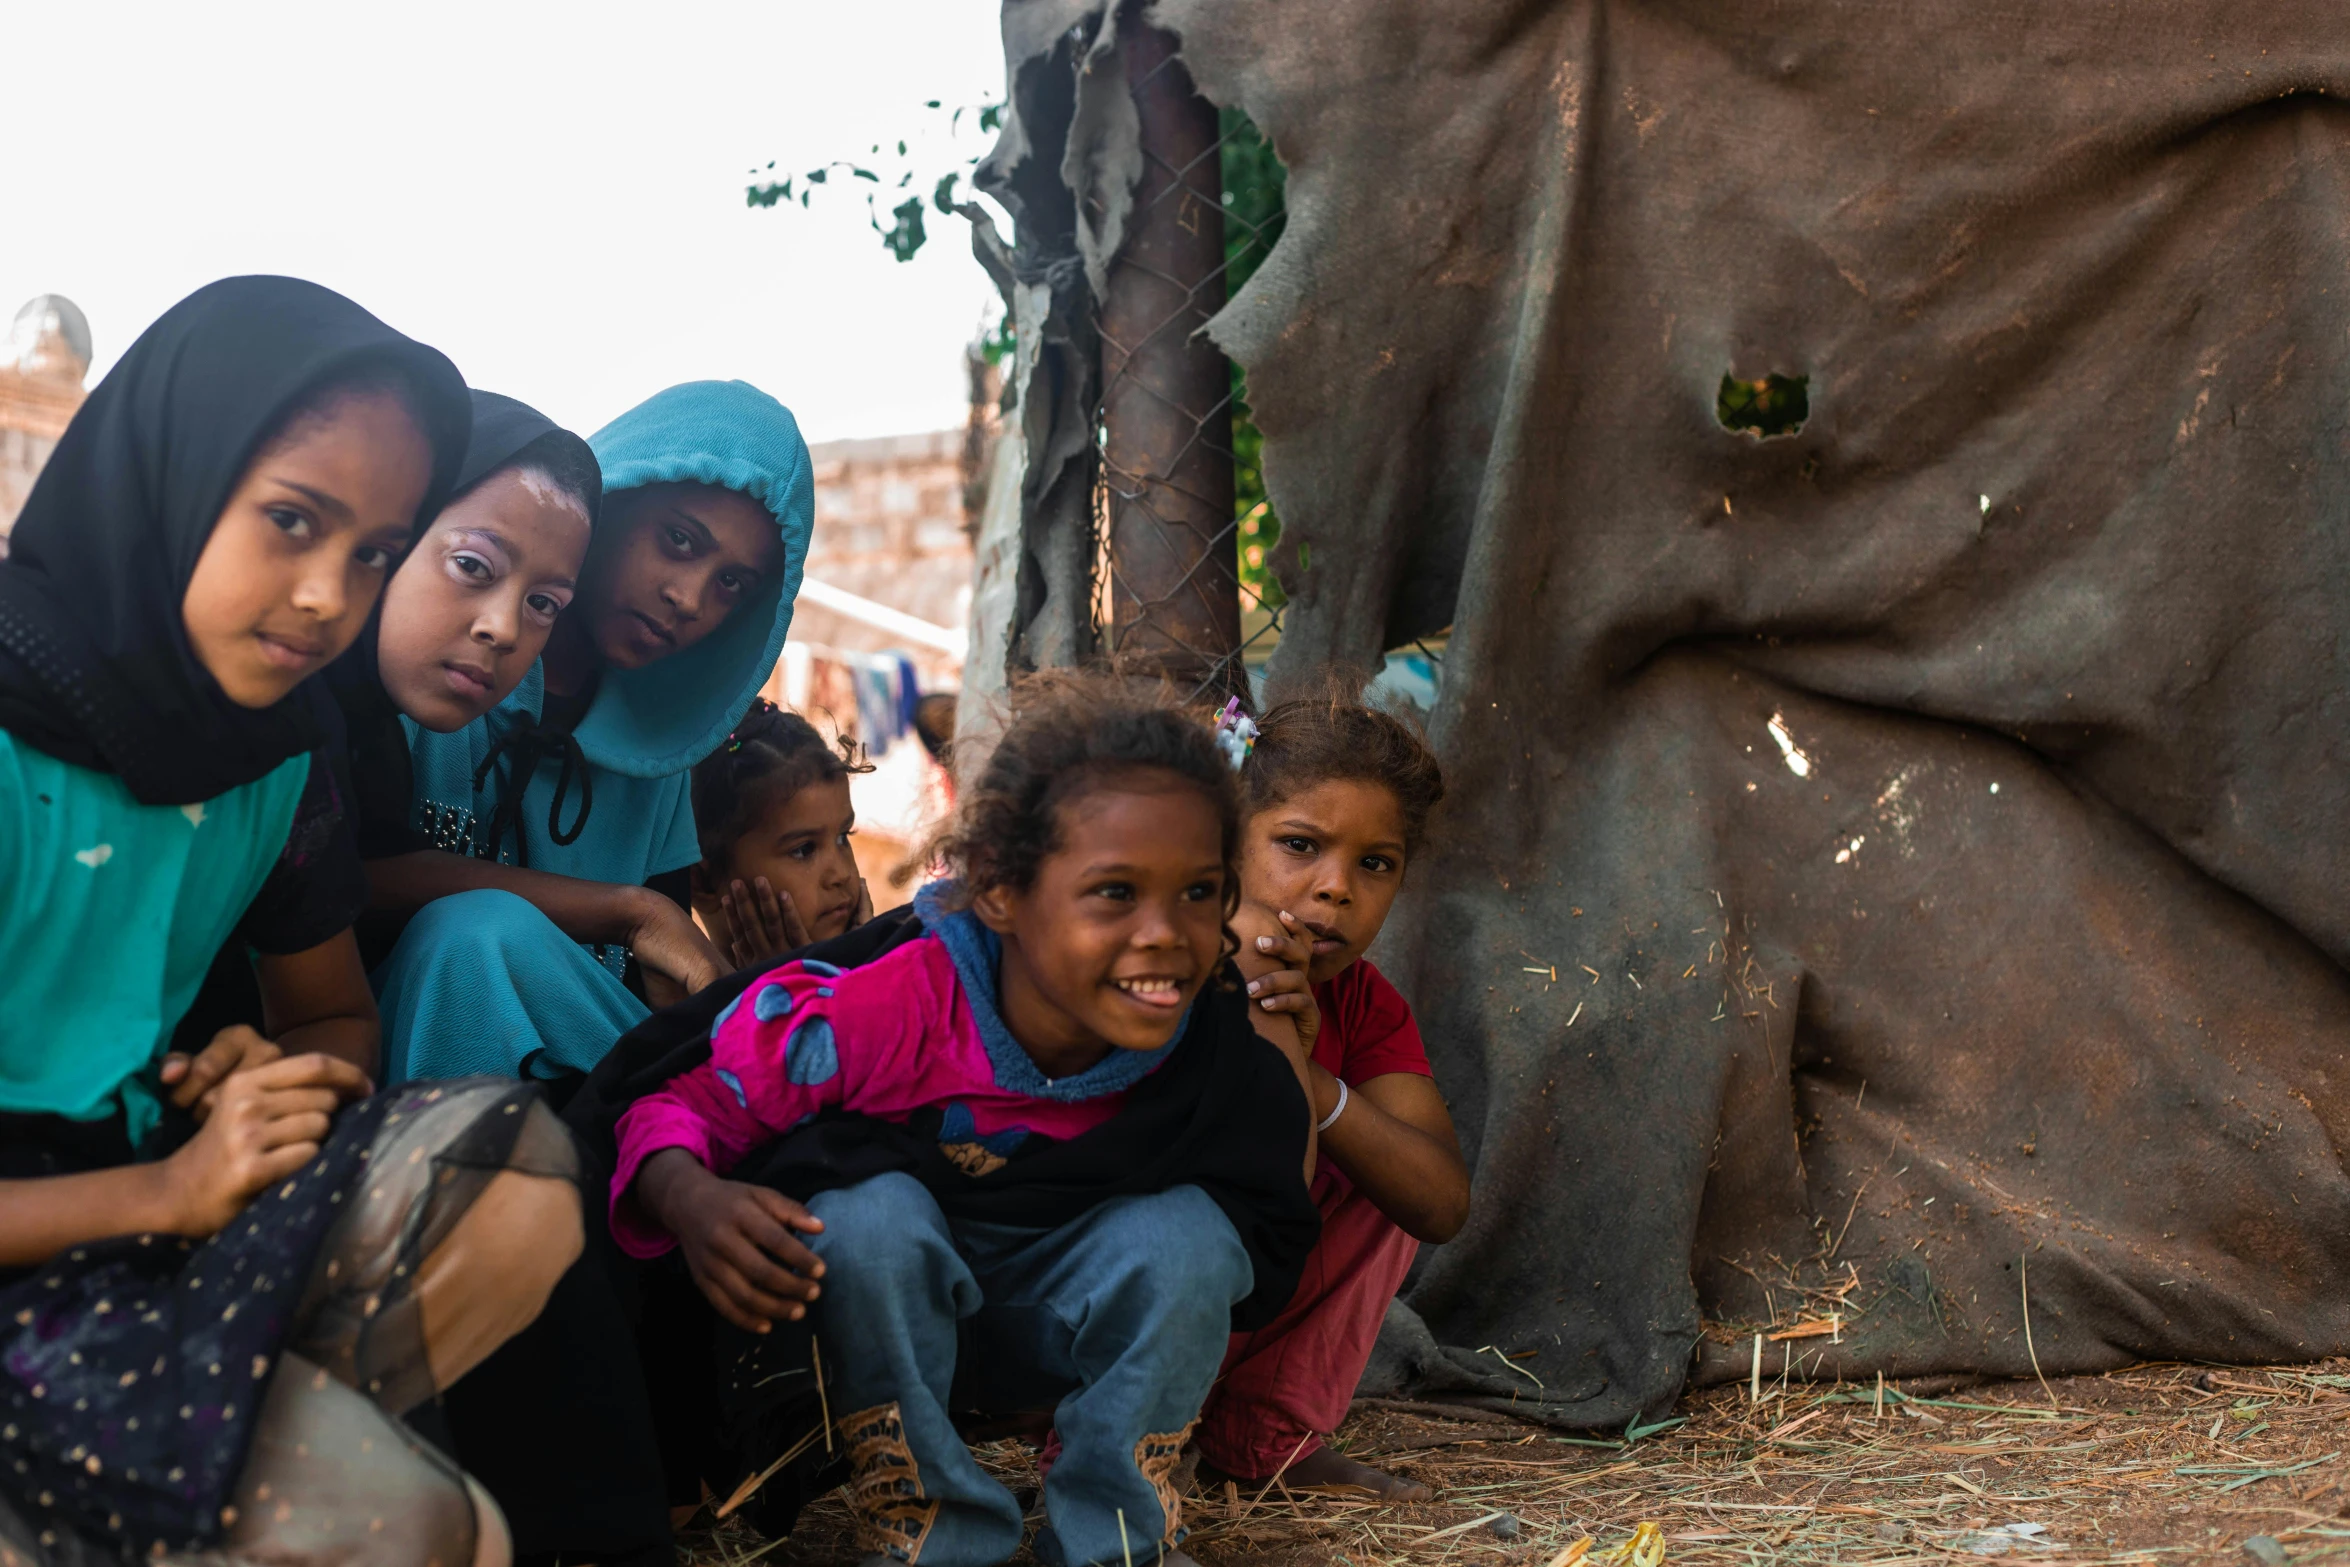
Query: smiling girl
<point x="1337" y="797"/>
<point x="210" y="1324"/>
<point x="1072" y="976"/>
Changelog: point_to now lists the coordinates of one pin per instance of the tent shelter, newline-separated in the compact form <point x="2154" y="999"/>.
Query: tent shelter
<point x="1895" y="864"/>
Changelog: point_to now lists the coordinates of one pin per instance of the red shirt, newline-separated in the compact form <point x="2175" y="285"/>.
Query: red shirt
<point x="1367" y="1028"/>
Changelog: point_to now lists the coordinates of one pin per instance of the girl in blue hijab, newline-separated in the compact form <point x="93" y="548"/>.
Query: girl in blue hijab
<point x="561" y="816"/>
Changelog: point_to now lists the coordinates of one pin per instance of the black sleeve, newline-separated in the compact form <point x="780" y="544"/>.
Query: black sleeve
<point x="677" y="886"/>
<point x="317" y="887"/>
<point x="380" y="789"/>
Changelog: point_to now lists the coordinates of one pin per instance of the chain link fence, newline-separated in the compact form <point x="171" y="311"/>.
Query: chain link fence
<point x="1182" y="528"/>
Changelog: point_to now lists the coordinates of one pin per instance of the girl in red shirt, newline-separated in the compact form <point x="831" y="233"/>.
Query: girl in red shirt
<point x="1336" y="799"/>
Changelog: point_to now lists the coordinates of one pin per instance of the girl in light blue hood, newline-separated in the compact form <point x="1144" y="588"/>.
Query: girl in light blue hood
<point x="567" y="811"/>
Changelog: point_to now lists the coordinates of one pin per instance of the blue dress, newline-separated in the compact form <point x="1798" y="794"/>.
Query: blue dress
<point x="482" y="982"/>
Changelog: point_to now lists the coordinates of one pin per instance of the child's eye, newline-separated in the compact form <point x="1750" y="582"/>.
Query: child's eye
<point x="1201" y="892"/>
<point x="289" y="521"/>
<point x="1121" y="891"/>
<point x="1297" y="845"/>
<point x="545" y="606"/>
<point x="1379" y="863"/>
<point x="374" y="557"/>
<point x="681" y="541"/>
<point x="472" y="567"/>
<point x="802" y="851"/>
<point x="732" y="582"/>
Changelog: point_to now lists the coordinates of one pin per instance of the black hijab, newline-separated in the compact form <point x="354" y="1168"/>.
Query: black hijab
<point x="505" y="431"/>
<point x="95" y="664"/>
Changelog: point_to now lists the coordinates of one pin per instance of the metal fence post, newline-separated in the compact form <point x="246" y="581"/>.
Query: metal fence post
<point x="1173" y="589"/>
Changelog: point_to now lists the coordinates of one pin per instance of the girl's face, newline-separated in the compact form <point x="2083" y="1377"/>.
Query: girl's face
<point x="469" y="611"/>
<point x="801" y="845"/>
<point x="304" y="544"/>
<point x="1332" y="856"/>
<point x="1122" y="928"/>
<point x="671" y="562"/>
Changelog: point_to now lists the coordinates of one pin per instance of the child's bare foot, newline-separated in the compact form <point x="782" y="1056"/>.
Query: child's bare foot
<point x="1326" y="1466"/>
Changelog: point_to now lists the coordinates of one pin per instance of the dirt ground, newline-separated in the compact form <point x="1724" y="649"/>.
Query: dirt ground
<point x="2158" y="1463"/>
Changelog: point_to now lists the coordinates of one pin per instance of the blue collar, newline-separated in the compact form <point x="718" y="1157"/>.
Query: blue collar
<point x="978" y="955"/>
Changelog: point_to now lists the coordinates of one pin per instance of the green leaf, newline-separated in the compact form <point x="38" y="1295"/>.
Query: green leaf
<point x="999" y="345"/>
<point x="905" y="237"/>
<point x="1635" y="1431"/>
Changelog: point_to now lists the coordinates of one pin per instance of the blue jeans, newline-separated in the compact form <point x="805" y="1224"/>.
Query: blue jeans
<point x="1131" y="1303"/>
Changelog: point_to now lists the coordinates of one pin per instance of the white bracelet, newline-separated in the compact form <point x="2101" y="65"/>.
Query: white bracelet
<point x="1336" y="1110"/>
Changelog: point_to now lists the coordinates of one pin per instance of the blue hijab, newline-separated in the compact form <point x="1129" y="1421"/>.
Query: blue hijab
<point x="645" y="728"/>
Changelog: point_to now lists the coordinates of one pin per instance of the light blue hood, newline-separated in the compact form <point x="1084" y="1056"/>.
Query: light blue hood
<point x="663" y="718"/>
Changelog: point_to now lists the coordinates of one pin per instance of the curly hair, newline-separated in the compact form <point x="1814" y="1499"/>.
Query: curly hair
<point x="1331" y="733"/>
<point x="772" y="755"/>
<point x="1068" y="735"/>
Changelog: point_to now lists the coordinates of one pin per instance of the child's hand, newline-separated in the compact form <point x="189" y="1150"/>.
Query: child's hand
<point x="265" y="1123"/>
<point x="761" y="923"/>
<point x="1280" y="983"/>
<point x="676" y="957"/>
<point x="195" y="1080"/>
<point x="738" y="1239"/>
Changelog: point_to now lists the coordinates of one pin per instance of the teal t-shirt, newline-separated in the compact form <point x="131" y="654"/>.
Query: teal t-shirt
<point x="110" y="913"/>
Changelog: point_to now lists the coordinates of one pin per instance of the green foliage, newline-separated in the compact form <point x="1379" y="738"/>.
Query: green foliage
<point x="997" y="345"/>
<point x="1255" y="191"/>
<point x="1254" y="211"/>
<point x="905" y="234"/>
<point x="1774" y="405"/>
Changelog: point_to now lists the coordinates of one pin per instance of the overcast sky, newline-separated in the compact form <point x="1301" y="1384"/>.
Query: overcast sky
<point x="552" y="195"/>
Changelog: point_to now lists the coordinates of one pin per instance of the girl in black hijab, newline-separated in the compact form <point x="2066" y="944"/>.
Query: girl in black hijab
<point x="473" y="606"/>
<point x="459" y="625"/>
<point x="213" y="529"/>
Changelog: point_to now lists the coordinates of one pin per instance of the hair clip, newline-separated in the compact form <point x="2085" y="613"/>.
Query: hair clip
<point x="1236" y="733"/>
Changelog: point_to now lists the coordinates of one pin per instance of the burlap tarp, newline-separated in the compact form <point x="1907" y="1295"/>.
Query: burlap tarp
<point x="1890" y="858"/>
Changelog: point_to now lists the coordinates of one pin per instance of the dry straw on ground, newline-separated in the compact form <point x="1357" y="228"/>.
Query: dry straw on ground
<point x="2155" y="1464"/>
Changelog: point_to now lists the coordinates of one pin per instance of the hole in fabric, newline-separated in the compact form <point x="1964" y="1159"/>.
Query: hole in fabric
<point x="1774" y="405"/>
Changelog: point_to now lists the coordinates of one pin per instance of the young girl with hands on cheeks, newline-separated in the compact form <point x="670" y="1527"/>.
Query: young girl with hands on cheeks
<point x="1107" y="1153"/>
<point x="772" y="807"/>
<point x="208" y="1331"/>
<point x="1336" y="797"/>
